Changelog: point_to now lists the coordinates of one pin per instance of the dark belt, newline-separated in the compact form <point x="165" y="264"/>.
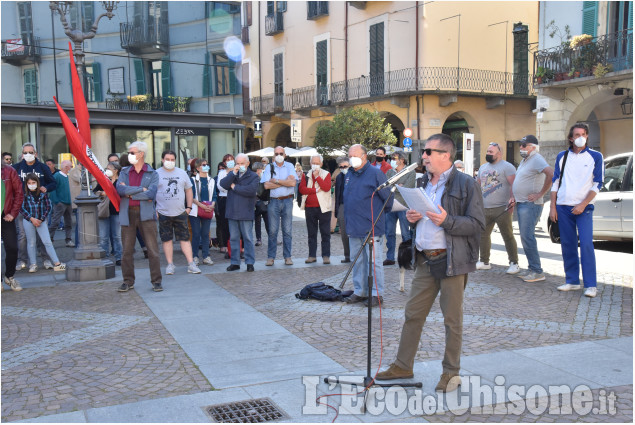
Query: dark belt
<point x="283" y="197"/>
<point x="134" y="207"/>
<point x="429" y="253"/>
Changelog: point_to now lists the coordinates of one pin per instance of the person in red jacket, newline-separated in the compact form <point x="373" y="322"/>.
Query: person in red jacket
<point x="12" y="197"/>
<point x="380" y="160"/>
<point x="316" y="202"/>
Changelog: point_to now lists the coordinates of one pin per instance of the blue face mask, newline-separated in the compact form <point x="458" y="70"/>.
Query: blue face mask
<point x="205" y="168"/>
<point x="242" y="168"/>
<point x="230" y="164"/>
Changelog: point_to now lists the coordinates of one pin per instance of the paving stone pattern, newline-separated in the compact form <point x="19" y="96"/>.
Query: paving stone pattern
<point x="79" y="346"/>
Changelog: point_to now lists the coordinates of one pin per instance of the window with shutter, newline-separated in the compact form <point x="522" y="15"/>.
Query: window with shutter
<point x="321" y="67"/>
<point x="278" y="82"/>
<point x="221" y="74"/>
<point x="589" y="17"/>
<point x="26" y="20"/>
<point x="98" y="94"/>
<point x="88" y="14"/>
<point x="206" y="77"/>
<point x="140" y="77"/>
<point x="30" y="86"/>
<point x="376" y="55"/>
<point x="166" y="79"/>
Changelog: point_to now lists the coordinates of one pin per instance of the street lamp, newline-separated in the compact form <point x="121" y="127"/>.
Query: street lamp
<point x="89" y="261"/>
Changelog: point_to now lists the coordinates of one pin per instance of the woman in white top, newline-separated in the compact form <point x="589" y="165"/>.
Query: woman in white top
<point x="203" y="189"/>
<point x="222" y="225"/>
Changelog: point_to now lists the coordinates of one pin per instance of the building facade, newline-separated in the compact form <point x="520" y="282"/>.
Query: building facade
<point x="584" y="73"/>
<point x="453" y="67"/>
<point x="157" y="71"/>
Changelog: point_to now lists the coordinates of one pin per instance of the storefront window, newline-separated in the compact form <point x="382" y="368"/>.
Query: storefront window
<point x="162" y="142"/>
<point x="223" y="142"/>
<point x="125" y="136"/>
<point x="53" y="144"/>
<point x="14" y="135"/>
<point x="189" y="147"/>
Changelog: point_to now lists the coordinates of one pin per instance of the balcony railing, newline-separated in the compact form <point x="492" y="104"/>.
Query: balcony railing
<point x="149" y="37"/>
<point x="614" y="52"/>
<point x="21" y="51"/>
<point x="274" y="24"/>
<point x="316" y="9"/>
<point x="271" y="104"/>
<point x="401" y="82"/>
<point x="151" y="103"/>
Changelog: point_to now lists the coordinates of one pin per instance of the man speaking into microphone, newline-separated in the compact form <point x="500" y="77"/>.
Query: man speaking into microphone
<point x="359" y="185"/>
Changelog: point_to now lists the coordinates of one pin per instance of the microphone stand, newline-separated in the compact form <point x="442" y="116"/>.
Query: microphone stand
<point x="368" y="379"/>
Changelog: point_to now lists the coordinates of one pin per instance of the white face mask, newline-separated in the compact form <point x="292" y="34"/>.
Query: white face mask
<point x="356" y="162"/>
<point x="524" y="154"/>
<point x="28" y="157"/>
<point x="580" y="141"/>
<point x="32" y="186"/>
<point x="393" y="163"/>
<point x="169" y="165"/>
<point x="344" y="171"/>
<point x="279" y="159"/>
<point x="109" y="173"/>
<point x="315" y="167"/>
<point x="132" y="158"/>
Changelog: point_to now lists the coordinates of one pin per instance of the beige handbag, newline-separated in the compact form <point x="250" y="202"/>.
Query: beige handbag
<point x="103" y="208"/>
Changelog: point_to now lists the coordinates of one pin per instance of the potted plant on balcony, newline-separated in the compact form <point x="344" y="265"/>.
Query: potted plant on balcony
<point x="544" y="75"/>
<point x="600" y="70"/>
<point x="139" y="101"/>
<point x="580" y="40"/>
<point x="574" y="73"/>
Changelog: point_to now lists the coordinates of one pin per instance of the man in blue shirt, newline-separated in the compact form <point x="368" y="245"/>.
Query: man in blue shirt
<point x="572" y="199"/>
<point x="281" y="179"/>
<point x="359" y="185"/>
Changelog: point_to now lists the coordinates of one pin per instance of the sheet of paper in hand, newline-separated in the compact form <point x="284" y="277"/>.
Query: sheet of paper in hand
<point x="418" y="200"/>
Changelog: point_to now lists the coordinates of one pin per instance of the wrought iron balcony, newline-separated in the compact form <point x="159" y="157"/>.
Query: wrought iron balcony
<point x="271" y="104"/>
<point x="274" y="24"/>
<point x="149" y="37"/>
<point x="151" y="103"/>
<point x="244" y="35"/>
<point x="607" y="53"/>
<point x="317" y="9"/>
<point x="21" y="51"/>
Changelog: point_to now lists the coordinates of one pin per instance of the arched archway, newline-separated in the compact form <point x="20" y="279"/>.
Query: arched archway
<point x="455" y="126"/>
<point x="251" y="143"/>
<point x="395" y="123"/>
<point x="279" y="135"/>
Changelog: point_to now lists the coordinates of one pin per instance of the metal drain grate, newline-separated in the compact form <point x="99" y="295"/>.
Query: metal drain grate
<point x="247" y="411"/>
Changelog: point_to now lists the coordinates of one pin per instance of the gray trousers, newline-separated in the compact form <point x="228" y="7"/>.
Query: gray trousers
<point x="423" y="292"/>
<point x="61" y="210"/>
<point x="342" y="222"/>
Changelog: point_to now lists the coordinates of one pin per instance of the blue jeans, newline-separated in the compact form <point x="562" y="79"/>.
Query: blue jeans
<point x="528" y="216"/>
<point x="280" y="211"/>
<point x="110" y="230"/>
<point x="391" y="232"/>
<point x="200" y="235"/>
<point x="238" y="228"/>
<point x="574" y="228"/>
<point x="43" y="231"/>
<point x="360" y="269"/>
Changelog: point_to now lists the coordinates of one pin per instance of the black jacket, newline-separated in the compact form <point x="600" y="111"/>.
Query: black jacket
<point x="241" y="200"/>
<point x="339" y="192"/>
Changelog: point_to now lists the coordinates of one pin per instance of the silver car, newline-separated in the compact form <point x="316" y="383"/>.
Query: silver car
<point x="613" y="212"/>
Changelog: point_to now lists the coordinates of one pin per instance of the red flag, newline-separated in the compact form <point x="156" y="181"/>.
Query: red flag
<point x="86" y="157"/>
<point x="81" y="110"/>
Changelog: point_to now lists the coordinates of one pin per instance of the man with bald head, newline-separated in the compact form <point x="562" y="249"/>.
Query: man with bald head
<point x="61" y="200"/>
<point x="359" y="185"/>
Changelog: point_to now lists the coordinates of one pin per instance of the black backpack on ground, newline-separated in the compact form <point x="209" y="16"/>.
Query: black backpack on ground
<point x="322" y="292"/>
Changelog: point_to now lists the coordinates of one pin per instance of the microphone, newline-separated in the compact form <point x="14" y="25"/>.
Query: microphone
<point x="397" y="176"/>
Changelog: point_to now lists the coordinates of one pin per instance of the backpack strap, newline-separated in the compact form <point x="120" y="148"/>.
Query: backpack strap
<point x="564" y="162"/>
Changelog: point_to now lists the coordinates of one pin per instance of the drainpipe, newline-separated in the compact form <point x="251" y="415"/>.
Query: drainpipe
<point x="346" y="48"/>
<point x="416" y="45"/>
<point x="261" y="143"/>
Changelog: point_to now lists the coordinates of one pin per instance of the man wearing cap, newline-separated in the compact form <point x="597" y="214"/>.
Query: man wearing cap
<point x="533" y="180"/>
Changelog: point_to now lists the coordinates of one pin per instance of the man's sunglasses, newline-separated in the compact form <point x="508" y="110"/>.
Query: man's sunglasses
<point x="343" y="167"/>
<point x="429" y="151"/>
<point x="26" y="153"/>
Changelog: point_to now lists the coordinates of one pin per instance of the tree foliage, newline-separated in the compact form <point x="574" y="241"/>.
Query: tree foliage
<point x="353" y="126"/>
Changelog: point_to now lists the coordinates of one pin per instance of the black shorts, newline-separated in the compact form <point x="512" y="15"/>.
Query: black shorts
<point x="174" y="227"/>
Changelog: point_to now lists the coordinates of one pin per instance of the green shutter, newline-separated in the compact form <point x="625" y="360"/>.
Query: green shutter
<point x="97" y="82"/>
<point x="140" y="76"/>
<point x="206" y="77"/>
<point x="30" y="86"/>
<point x="234" y="87"/>
<point x="166" y="86"/>
<point x="589" y="18"/>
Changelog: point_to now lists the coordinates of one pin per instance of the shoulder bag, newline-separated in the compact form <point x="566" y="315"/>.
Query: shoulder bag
<point x="202" y="214"/>
<point x="554" y="228"/>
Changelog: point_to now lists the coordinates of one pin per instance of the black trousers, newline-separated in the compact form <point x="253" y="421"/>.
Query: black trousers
<point x="315" y="219"/>
<point x="10" y="239"/>
<point x="261" y="211"/>
<point x="222" y="225"/>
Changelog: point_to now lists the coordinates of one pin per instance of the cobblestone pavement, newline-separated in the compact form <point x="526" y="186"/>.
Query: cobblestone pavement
<point x="545" y="410"/>
<point x="79" y="346"/>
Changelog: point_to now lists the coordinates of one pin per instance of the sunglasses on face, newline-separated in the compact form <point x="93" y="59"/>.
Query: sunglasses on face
<point x="523" y="145"/>
<point x="429" y="151"/>
<point x="132" y="153"/>
<point x="26" y="153"/>
<point x="343" y="167"/>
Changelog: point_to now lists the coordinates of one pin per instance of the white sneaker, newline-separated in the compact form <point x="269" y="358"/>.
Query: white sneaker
<point x="20" y="266"/>
<point x="48" y="265"/>
<point x="208" y="261"/>
<point x="33" y="268"/>
<point x="14" y="284"/>
<point x="568" y="287"/>
<point x="70" y="244"/>
<point x="591" y="291"/>
<point x="193" y="268"/>
<point x="533" y="277"/>
<point x="196" y="261"/>
<point x="60" y="267"/>
<point x="483" y="266"/>
<point x="170" y="269"/>
<point x="513" y="268"/>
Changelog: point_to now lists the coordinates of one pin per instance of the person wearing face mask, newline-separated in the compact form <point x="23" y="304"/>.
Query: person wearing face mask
<point x="381" y="161"/>
<point x="316" y="202"/>
<point x="397" y="164"/>
<point x="572" y="196"/>
<point x="533" y="180"/>
<point x="12" y="198"/>
<point x="137" y="186"/>
<point x="109" y="228"/>
<point x="31" y="165"/>
<point x="174" y="204"/>
<point x="260" y="213"/>
<point x="281" y="179"/>
<point x="204" y="187"/>
<point x="222" y="225"/>
<point x="241" y="185"/>
<point x="496" y="177"/>
<point x="343" y="164"/>
<point x="359" y="185"/>
<point x="61" y="200"/>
